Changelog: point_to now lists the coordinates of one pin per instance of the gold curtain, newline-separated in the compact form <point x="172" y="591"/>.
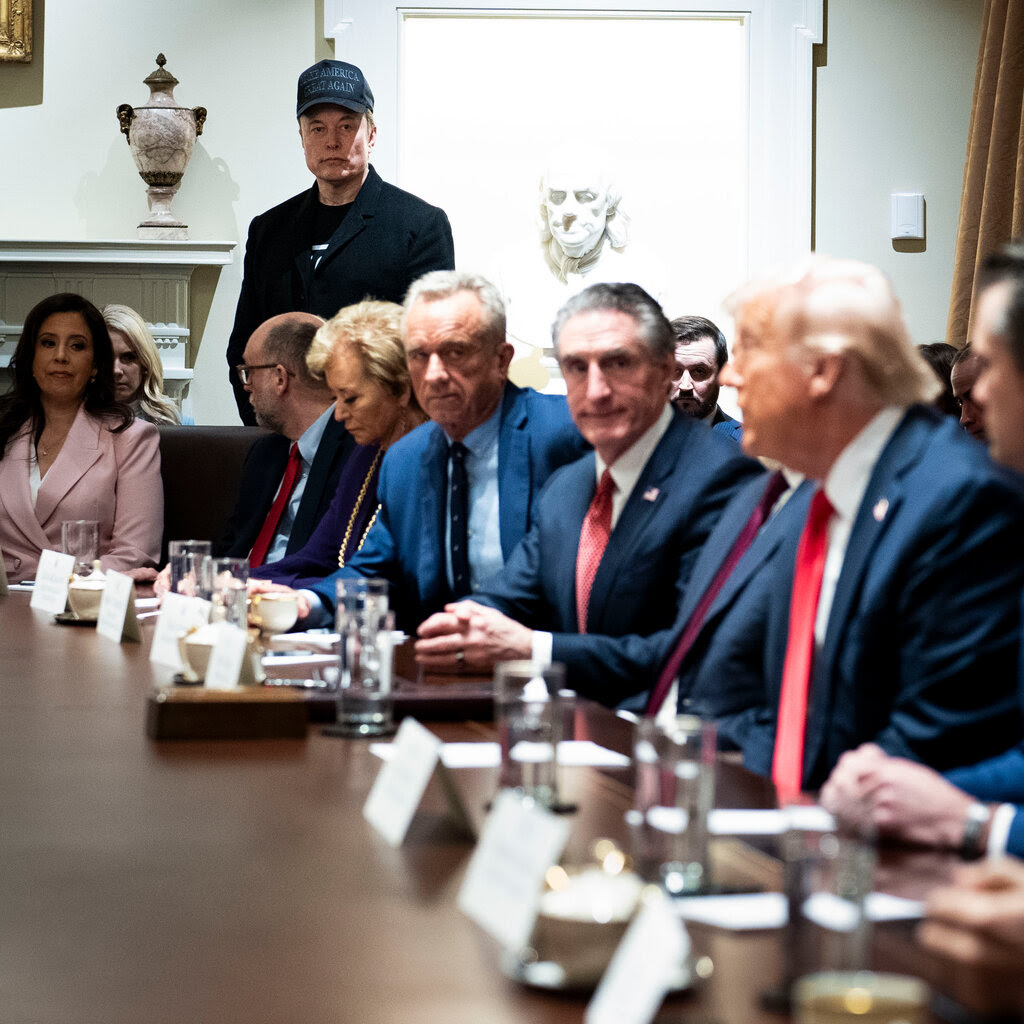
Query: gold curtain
<point x="992" y="198"/>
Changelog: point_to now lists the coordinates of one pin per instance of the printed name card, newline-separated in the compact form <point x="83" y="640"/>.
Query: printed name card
<point x="402" y="781"/>
<point x="50" y="593"/>
<point x="178" y="614"/>
<point x="503" y="882"/>
<point x="644" y="968"/>
<point x="117" y="619"/>
<point x="230" y="665"/>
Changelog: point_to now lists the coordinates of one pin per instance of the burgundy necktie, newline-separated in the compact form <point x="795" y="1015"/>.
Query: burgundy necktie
<point x="773" y="489"/>
<point x="788" y="761"/>
<point x="597" y="526"/>
<point x="284" y="492"/>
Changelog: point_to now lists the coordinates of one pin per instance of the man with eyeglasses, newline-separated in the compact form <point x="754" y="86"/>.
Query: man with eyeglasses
<point x="614" y="534"/>
<point x="700" y="354"/>
<point x="290" y="476"/>
<point x="457" y="494"/>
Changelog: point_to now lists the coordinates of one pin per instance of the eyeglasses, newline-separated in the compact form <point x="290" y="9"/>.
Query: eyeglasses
<point x="245" y="372"/>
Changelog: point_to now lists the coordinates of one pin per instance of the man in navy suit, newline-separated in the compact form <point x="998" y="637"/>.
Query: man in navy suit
<point x="297" y="407"/>
<point x="907" y="800"/>
<point x="904" y="627"/>
<point x="350" y="236"/>
<point x="514" y="438"/>
<point x="666" y="478"/>
<point x="700" y="354"/>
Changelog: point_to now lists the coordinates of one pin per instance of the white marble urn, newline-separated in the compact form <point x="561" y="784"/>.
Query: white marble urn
<point x="161" y="136"/>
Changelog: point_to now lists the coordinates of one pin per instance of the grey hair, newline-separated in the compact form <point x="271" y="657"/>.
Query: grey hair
<point x="653" y="327"/>
<point x="844" y="306"/>
<point x="443" y="284"/>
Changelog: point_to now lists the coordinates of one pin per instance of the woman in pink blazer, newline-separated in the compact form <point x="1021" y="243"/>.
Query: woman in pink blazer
<point x="70" y="450"/>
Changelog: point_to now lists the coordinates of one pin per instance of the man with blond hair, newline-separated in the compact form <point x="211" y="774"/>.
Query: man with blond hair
<point x="892" y="613"/>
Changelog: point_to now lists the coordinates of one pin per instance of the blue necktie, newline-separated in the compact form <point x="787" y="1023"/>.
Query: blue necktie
<point x="458" y="511"/>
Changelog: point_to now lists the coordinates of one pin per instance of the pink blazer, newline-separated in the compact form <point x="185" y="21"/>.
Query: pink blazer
<point x="112" y="478"/>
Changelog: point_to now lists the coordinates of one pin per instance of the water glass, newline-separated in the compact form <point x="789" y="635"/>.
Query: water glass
<point x="365" y="704"/>
<point x="226" y="580"/>
<point x="81" y="538"/>
<point x="675" y="791"/>
<point x="365" y="600"/>
<point x="186" y="557"/>
<point x="529" y="710"/>
<point x="832" y="997"/>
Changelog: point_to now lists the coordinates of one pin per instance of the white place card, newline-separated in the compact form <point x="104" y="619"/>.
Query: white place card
<point x="488" y="755"/>
<point x="764" y="910"/>
<point x="644" y="968"/>
<point x="4" y="590"/>
<point x="230" y="665"/>
<point x="116" y="620"/>
<point x="503" y="882"/>
<point x="402" y="780"/>
<point x="50" y="594"/>
<point x="178" y="614"/>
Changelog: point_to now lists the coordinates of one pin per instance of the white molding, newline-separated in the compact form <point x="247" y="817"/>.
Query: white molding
<point x="780" y="91"/>
<point x="106" y="251"/>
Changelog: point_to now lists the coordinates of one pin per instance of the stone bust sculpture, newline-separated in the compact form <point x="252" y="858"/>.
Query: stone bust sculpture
<point x="580" y="209"/>
<point x="583" y="234"/>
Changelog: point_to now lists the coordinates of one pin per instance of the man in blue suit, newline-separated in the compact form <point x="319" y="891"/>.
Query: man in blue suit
<point x="659" y="480"/>
<point x="893" y="613"/>
<point x="514" y="439"/>
<point x="908" y="801"/>
<point x="700" y="354"/>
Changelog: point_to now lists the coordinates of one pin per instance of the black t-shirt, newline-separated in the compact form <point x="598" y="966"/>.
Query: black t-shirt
<point x="326" y="221"/>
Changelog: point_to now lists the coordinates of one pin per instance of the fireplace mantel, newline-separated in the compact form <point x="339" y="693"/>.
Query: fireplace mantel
<point x="153" y="277"/>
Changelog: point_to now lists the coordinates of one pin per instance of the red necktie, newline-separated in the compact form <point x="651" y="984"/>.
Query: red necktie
<point x="597" y="526"/>
<point x="773" y="490"/>
<point x="787" y="764"/>
<point x="284" y="492"/>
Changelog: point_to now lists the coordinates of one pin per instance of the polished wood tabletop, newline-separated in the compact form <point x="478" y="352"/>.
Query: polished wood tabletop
<point x="237" y="881"/>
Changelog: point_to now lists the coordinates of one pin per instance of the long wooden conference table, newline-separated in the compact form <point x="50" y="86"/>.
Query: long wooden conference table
<point x="227" y="881"/>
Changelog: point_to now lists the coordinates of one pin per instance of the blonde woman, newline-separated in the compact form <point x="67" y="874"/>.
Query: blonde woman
<point x="138" y="373"/>
<point x="360" y="353"/>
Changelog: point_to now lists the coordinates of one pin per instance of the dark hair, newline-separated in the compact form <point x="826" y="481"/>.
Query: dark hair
<point x="940" y="357"/>
<point x="689" y="329"/>
<point x="22" y="403"/>
<point x="652" y="325"/>
<point x="1007" y="264"/>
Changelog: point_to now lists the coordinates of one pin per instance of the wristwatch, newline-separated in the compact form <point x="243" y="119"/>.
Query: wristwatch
<point x="974" y="839"/>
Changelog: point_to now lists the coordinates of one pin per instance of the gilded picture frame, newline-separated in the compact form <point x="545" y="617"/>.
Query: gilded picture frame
<point x="16" y="30"/>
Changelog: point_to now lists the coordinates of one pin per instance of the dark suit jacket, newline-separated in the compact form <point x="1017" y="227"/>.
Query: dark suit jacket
<point x="354" y="503"/>
<point x="727" y="425"/>
<point x="645" y="567"/>
<point x="406" y="544"/>
<point x="261" y="476"/>
<point x="920" y="651"/>
<point x="706" y="686"/>
<point x="1000" y="779"/>
<point x="387" y="240"/>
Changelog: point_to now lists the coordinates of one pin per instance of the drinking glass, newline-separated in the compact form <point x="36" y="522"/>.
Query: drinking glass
<point x="226" y="580"/>
<point x="675" y="791"/>
<point x="365" y="704"/>
<point x="364" y="599"/>
<point x="864" y="997"/>
<point x="186" y="557"/>
<point x="529" y="709"/>
<point x="81" y="538"/>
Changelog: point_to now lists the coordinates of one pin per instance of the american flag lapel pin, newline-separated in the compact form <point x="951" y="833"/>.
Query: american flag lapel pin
<point x="880" y="509"/>
<point x="651" y="494"/>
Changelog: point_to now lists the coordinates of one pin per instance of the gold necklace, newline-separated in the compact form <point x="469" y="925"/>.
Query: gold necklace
<point x="355" y="512"/>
